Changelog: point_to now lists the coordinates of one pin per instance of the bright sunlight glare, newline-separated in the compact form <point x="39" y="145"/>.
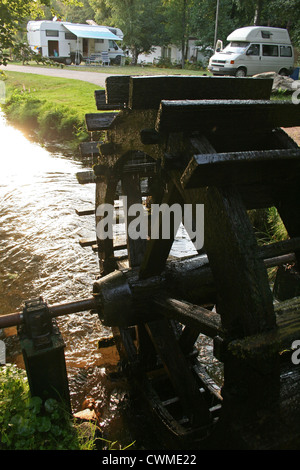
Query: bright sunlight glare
<point x="22" y="160"/>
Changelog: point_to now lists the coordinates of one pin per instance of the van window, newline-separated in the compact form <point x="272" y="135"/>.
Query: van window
<point x="285" y="51"/>
<point x="51" y="32"/>
<point x="112" y="45"/>
<point x="266" y="34"/>
<point x="236" y="47"/>
<point x="253" y="49"/>
<point x="270" y="50"/>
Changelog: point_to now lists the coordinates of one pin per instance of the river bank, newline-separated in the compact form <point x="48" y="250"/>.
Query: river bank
<point x="50" y="109"/>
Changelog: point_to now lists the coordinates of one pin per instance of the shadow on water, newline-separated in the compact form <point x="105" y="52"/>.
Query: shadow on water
<point x="41" y="256"/>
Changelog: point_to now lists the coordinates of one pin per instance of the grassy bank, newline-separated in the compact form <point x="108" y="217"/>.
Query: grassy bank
<point x="52" y="107"/>
<point x="128" y="69"/>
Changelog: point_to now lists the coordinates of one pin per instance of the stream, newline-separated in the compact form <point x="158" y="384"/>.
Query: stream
<point x="41" y="256"/>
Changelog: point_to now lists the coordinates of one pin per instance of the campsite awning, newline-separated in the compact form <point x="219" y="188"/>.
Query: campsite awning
<point x="91" y="32"/>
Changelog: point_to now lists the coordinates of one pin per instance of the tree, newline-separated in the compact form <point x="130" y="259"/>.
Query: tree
<point x="14" y="15"/>
<point x="142" y="23"/>
<point x="102" y="12"/>
<point x="178" y="13"/>
<point x="66" y="11"/>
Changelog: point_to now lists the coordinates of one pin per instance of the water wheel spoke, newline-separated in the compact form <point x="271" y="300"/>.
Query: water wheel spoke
<point x="162" y="335"/>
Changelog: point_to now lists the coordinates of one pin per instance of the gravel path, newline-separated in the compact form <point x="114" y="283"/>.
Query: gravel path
<point x="97" y="78"/>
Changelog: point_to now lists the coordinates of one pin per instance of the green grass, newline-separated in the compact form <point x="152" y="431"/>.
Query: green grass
<point x="26" y="423"/>
<point x="54" y="108"/>
<point x="127" y="69"/>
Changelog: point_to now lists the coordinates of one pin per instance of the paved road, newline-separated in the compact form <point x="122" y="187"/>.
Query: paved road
<point x="97" y="78"/>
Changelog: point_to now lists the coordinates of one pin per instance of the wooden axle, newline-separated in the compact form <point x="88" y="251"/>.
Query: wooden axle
<point x="15" y="319"/>
<point x="122" y="299"/>
<point x="127" y="300"/>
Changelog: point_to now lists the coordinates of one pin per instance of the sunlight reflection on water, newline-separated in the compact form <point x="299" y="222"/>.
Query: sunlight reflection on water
<point x="41" y="256"/>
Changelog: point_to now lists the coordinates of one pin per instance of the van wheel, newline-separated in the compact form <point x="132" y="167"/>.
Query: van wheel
<point x="284" y="73"/>
<point x="241" y="72"/>
<point x="68" y="61"/>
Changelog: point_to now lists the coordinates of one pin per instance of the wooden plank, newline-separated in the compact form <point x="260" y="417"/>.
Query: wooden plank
<point x="86" y="211"/>
<point x="100" y="97"/>
<point x="279" y="248"/>
<point x="194" y="87"/>
<point x="105" y="194"/>
<point x="101" y="104"/>
<point x="206" y="115"/>
<point x="87" y="148"/>
<point x="117" y="89"/>
<point x="87" y="242"/>
<point x="99" y="121"/>
<point x="275" y="340"/>
<point x="239" y="168"/>
<point x="157" y="250"/>
<point x="132" y="189"/>
<point x="85" y="177"/>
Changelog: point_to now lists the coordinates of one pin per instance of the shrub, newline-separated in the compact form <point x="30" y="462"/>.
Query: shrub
<point x="28" y="424"/>
<point x="51" y="121"/>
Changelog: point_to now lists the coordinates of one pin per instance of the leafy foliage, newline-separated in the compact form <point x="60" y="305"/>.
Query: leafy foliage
<point x="142" y="22"/>
<point x="14" y="15"/>
<point x="28" y="424"/>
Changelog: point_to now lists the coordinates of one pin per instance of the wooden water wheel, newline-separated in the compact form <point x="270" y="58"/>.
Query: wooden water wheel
<point x="217" y="142"/>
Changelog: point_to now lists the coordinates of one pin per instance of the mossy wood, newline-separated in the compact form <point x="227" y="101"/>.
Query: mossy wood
<point x="218" y="142"/>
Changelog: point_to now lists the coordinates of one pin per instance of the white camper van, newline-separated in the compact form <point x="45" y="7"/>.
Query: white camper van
<point x="252" y="50"/>
<point x="71" y="43"/>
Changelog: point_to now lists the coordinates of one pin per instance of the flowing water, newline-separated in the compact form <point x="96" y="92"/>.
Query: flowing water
<point x="41" y="256"/>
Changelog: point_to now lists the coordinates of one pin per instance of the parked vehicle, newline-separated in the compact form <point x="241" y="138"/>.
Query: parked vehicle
<point x="252" y="50"/>
<point x="71" y="42"/>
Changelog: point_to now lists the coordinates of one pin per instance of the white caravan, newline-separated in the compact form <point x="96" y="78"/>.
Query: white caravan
<point x="252" y="50"/>
<point x="71" y="43"/>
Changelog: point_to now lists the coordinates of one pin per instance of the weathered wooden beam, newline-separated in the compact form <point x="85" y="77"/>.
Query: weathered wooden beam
<point x="100" y="97"/>
<point x="193" y="87"/>
<point x="84" y="242"/>
<point x="157" y="250"/>
<point x="132" y="189"/>
<point x="87" y="211"/>
<point x="275" y="340"/>
<point x="239" y="168"/>
<point x="117" y="89"/>
<point x="274" y="250"/>
<point x="207" y="115"/>
<point x="87" y="148"/>
<point x="175" y="364"/>
<point x="99" y="121"/>
<point x="85" y="177"/>
<point x="108" y="148"/>
<point x="205" y="321"/>
<point x="101" y="104"/>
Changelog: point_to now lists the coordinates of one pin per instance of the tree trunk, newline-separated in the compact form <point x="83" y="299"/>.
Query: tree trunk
<point x="183" y="33"/>
<point x="134" y="55"/>
<point x="257" y="14"/>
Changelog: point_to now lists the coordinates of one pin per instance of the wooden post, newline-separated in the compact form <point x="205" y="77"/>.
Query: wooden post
<point x="43" y="352"/>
